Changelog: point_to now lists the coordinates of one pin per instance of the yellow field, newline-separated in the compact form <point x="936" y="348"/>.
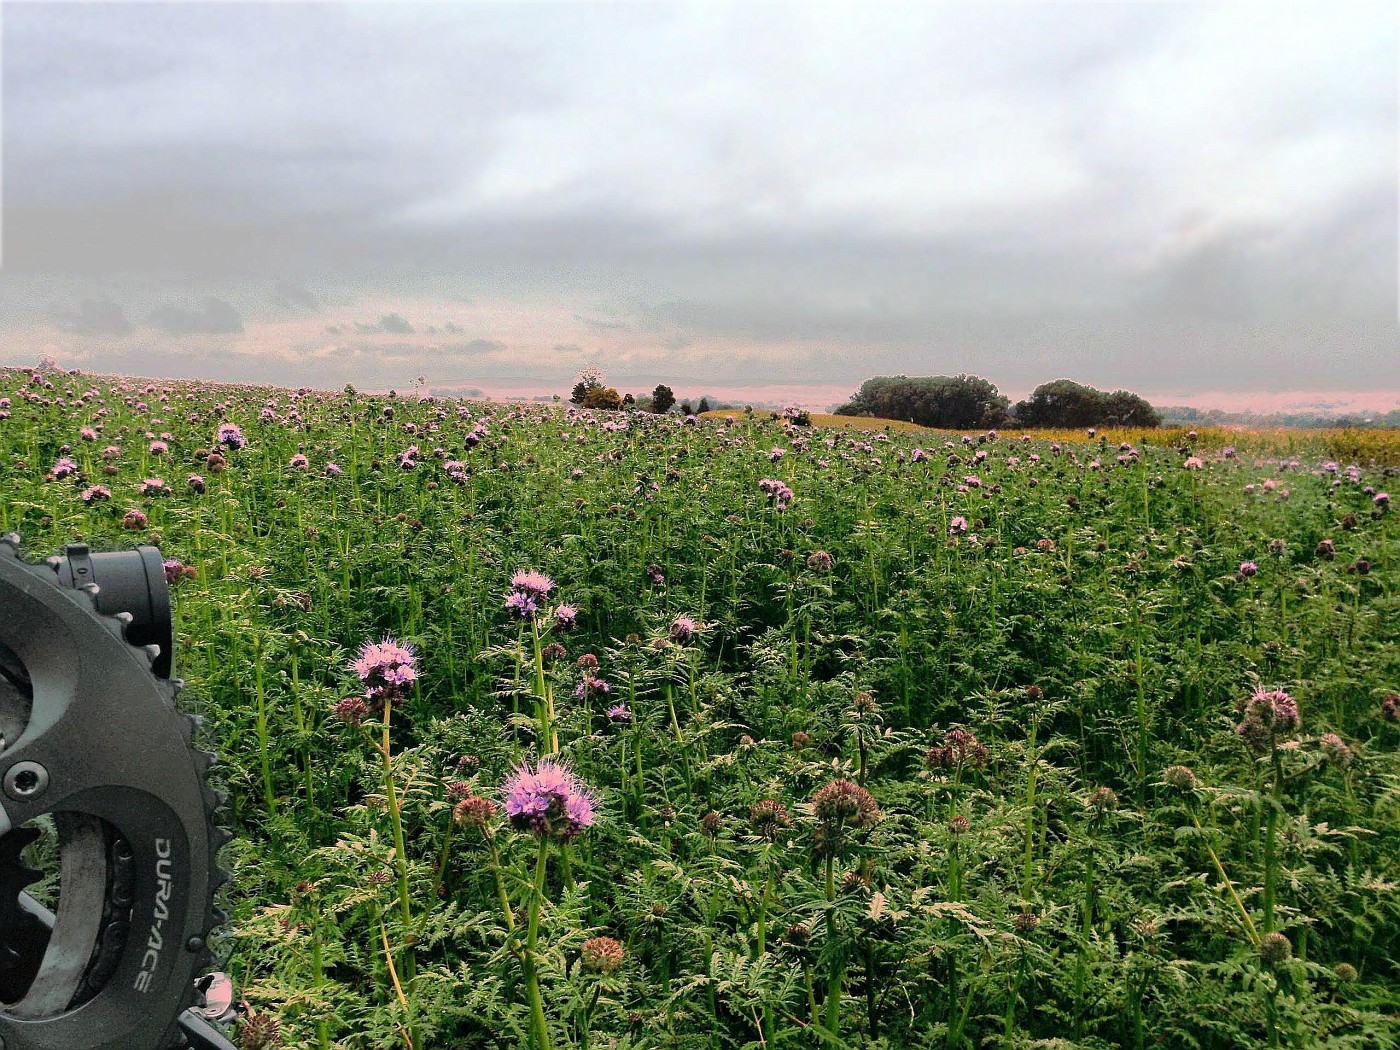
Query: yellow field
<point x="1351" y="446"/>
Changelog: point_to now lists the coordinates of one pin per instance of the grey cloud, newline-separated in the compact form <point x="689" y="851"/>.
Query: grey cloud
<point x="476" y="346"/>
<point x="1014" y="189"/>
<point x="215" y="317"/>
<point x="394" y="324"/>
<point x="291" y="294"/>
<point x="96" y="317"/>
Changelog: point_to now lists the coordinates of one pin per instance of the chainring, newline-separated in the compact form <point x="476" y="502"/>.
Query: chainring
<point x="90" y="735"/>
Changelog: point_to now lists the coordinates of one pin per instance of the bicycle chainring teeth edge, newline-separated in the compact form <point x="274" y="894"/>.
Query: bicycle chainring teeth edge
<point x="135" y="814"/>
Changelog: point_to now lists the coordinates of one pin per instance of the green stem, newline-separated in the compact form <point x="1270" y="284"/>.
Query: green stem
<point x="532" y="982"/>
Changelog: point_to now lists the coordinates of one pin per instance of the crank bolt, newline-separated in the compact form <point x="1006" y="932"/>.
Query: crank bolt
<point x="26" y="780"/>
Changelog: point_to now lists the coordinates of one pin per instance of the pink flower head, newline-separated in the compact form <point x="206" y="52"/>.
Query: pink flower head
<point x="683" y="629"/>
<point x="386" y="669"/>
<point x="549" y="801"/>
<point x="535" y="584"/>
<point x="565" y="616"/>
<point x="230" y="435"/>
<point x="1268" y="715"/>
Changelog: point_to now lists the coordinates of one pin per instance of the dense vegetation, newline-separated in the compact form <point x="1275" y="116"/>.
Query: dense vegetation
<point x="964" y="401"/>
<point x="880" y="740"/>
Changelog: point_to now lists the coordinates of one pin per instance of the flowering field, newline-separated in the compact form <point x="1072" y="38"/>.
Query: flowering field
<point x="547" y="729"/>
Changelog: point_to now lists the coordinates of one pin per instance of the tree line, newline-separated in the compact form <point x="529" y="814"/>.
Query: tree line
<point x="964" y="401"/>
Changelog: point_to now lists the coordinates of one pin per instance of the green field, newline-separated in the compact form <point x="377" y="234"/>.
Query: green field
<point x="1108" y="725"/>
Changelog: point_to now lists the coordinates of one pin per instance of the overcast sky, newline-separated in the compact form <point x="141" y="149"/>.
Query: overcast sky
<point x="1179" y="198"/>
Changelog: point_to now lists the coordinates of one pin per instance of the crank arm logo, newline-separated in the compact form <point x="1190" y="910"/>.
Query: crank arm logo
<point x="155" y="940"/>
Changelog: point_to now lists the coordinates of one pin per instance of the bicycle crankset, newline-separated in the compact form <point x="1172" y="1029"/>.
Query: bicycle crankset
<point x="95" y="753"/>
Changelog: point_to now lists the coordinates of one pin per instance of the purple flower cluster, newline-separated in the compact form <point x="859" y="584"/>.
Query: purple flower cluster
<point x="528" y="590"/>
<point x="959" y="748"/>
<point x="776" y="491"/>
<point x="1268" y="715"/>
<point x="386" y="670"/>
<point x="549" y="801"/>
<point x="230" y="435"/>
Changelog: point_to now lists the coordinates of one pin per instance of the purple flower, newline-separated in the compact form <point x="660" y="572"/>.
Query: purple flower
<point x="96" y="493"/>
<point x="1248" y="568"/>
<point x="535" y="584"/>
<point x="1268" y="715"/>
<point x="619" y="713"/>
<point x="591" y="685"/>
<point x="549" y="801"/>
<point x="957" y="526"/>
<point x="386" y="669"/>
<point x="565" y="616"/>
<point x="299" y="462"/>
<point x="521" y="605"/>
<point x="64" y="467"/>
<point x="159" y="448"/>
<point x="196" y="483"/>
<point x="683" y="629"/>
<point x="230" y="435"/>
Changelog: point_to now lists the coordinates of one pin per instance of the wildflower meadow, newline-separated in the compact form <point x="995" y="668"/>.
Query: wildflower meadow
<point x="546" y="728"/>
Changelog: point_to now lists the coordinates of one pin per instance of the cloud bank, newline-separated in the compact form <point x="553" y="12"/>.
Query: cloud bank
<point x="1184" y="197"/>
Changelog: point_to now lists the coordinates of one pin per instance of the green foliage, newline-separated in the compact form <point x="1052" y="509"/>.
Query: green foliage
<point x="1000" y="900"/>
<point x="950" y="402"/>
<point x="1065" y="403"/>
<point x="662" y="399"/>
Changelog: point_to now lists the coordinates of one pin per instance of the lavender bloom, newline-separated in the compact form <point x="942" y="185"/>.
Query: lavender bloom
<point x="535" y="584"/>
<point x="619" y="713"/>
<point x="299" y="462"/>
<point x="64" y="468"/>
<point x="230" y="435"/>
<point x="565" y="617"/>
<point x="386" y="669"/>
<point x="1248" y="569"/>
<point x="96" y="493"/>
<point x="549" y="801"/>
<point x="521" y="605"/>
<point x="683" y="629"/>
<point x="1268" y="715"/>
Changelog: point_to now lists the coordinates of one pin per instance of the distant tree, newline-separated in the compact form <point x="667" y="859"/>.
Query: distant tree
<point x="686" y="410"/>
<point x="1065" y="403"/>
<point x="604" y="397"/>
<point x="951" y="402"/>
<point x="704" y="406"/>
<point x="628" y="400"/>
<point x="662" y="399"/>
<point x="1126" y="409"/>
<point x="589" y="379"/>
